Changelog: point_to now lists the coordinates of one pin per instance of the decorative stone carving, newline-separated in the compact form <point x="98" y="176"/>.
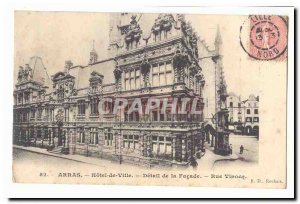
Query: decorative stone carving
<point x="117" y="72"/>
<point x="64" y="85"/>
<point x="69" y="88"/>
<point x="28" y="74"/>
<point x="193" y="69"/>
<point x="180" y="60"/>
<point x="96" y="81"/>
<point x="162" y="24"/>
<point x="118" y="75"/>
<point x="191" y="37"/>
<point x="222" y="91"/>
<point x="20" y="74"/>
<point x="145" y="70"/>
<point x="59" y="117"/>
<point x="25" y="74"/>
<point x="133" y="33"/>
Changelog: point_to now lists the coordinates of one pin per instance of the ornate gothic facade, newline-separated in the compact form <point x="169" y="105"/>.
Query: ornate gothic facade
<point x="160" y="61"/>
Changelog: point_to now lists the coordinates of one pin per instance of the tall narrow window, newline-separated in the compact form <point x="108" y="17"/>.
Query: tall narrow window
<point x="155" y="75"/>
<point x="26" y="97"/>
<point x="60" y="93"/>
<point x="94" y="106"/>
<point x="40" y="111"/>
<point x="81" y="107"/>
<point x="127" y="80"/>
<point x="94" y="87"/>
<point x="108" y="106"/>
<point x="39" y="132"/>
<point x="108" y="137"/>
<point x="155" y="115"/>
<point x="81" y="136"/>
<point x="162" y="79"/>
<point x="137" y="79"/>
<point x="132" y="81"/>
<point x="169" y="77"/>
<point x="20" y="98"/>
<point x="93" y="136"/>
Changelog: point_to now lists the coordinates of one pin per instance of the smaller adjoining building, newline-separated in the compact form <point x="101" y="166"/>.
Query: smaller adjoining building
<point x="243" y="114"/>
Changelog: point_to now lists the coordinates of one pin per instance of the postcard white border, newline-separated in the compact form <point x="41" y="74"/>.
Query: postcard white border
<point x="95" y="191"/>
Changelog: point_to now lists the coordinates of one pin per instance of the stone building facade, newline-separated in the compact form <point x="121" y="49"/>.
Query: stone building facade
<point x="244" y="114"/>
<point x="147" y="60"/>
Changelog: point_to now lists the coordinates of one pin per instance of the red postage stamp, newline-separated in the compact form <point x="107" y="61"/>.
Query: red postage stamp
<point x="264" y="37"/>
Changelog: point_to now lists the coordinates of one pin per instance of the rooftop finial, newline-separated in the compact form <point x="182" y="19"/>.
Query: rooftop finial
<point x="93" y="55"/>
<point x="218" y="41"/>
<point x="218" y="38"/>
<point x="93" y="45"/>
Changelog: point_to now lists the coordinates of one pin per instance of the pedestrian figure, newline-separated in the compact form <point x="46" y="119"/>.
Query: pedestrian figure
<point x="194" y="163"/>
<point x="241" y="149"/>
<point x="230" y="149"/>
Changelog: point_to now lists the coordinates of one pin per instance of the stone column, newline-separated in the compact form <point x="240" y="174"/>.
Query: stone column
<point x="56" y="135"/>
<point x="26" y="134"/>
<point x="149" y="148"/>
<point x="140" y="145"/>
<point x="178" y="147"/>
<point x="100" y="141"/>
<point x="116" y="142"/>
<point x="73" y="140"/>
<point x="173" y="149"/>
<point x="175" y="75"/>
<point x="19" y="138"/>
<point x="35" y="135"/>
<point x="87" y="140"/>
<point x="120" y="142"/>
<point x="52" y="136"/>
<point x="49" y="136"/>
<point x="42" y="135"/>
<point x="67" y="138"/>
<point x="184" y="152"/>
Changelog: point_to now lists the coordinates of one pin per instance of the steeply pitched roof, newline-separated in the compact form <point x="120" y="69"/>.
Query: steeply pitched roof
<point x="40" y="73"/>
<point x="82" y="74"/>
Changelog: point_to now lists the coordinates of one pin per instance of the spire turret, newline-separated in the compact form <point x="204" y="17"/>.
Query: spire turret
<point x="218" y="41"/>
<point x="93" y="54"/>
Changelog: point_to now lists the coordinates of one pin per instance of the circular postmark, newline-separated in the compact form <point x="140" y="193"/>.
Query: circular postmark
<point x="264" y="37"/>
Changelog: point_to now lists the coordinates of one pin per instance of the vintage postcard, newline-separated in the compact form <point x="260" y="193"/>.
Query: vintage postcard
<point x="168" y="99"/>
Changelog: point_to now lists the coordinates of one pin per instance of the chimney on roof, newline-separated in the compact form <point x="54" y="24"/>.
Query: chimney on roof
<point x="68" y="65"/>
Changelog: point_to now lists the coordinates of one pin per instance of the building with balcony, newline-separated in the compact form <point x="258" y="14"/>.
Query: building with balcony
<point x="158" y="60"/>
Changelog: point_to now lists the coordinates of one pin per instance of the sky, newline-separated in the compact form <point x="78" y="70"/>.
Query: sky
<point x="60" y="36"/>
